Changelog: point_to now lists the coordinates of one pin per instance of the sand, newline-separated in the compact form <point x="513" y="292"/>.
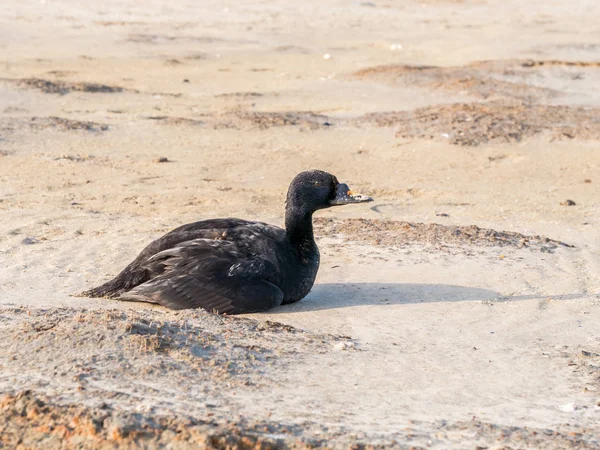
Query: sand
<point x="461" y="309"/>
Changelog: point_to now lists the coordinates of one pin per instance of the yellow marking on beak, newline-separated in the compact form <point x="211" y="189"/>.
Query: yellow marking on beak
<point x="349" y="193"/>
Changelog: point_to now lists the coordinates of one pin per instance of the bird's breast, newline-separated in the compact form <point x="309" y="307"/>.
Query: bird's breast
<point x="298" y="278"/>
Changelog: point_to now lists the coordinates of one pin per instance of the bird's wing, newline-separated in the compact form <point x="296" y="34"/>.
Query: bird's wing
<point x="209" y="274"/>
<point x="218" y="229"/>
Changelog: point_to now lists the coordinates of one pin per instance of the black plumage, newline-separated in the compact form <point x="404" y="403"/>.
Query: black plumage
<point x="231" y="265"/>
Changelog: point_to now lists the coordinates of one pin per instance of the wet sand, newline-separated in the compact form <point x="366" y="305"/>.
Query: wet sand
<point x="460" y="309"/>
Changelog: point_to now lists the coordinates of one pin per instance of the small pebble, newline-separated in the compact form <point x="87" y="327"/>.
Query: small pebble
<point x="587" y="181"/>
<point x="162" y="159"/>
<point x="340" y="346"/>
<point x="568" y="203"/>
<point x="326" y="56"/>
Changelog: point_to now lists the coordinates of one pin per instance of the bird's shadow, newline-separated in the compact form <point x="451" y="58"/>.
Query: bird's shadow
<point x="342" y="295"/>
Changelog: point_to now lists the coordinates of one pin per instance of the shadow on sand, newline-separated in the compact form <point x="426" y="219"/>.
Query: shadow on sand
<point x="342" y="295"/>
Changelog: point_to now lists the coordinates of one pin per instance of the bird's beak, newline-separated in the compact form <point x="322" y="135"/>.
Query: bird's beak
<point x="344" y="196"/>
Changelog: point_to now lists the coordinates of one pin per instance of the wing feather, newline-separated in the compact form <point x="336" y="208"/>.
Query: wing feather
<point x="209" y="274"/>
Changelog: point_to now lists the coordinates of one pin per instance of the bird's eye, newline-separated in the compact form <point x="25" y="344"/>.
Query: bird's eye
<point x="318" y="183"/>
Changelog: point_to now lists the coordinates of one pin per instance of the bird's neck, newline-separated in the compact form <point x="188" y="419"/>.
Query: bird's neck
<point x="299" y="231"/>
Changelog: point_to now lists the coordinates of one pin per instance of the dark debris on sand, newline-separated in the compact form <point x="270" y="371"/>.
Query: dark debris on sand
<point x="13" y="124"/>
<point x="172" y="120"/>
<point x="60" y="123"/>
<point x="513" y="80"/>
<point x="473" y="124"/>
<point x="62" y="87"/>
<point x="392" y="233"/>
<point x="488" y="435"/>
<point x="28" y="420"/>
<point x="516" y="106"/>
<point x="186" y="342"/>
<point x="265" y="120"/>
<point x="218" y="352"/>
<point x="114" y="361"/>
<point x="480" y="80"/>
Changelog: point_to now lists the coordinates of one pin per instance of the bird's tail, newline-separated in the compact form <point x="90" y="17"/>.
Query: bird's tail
<point x="109" y="289"/>
<point x="126" y="280"/>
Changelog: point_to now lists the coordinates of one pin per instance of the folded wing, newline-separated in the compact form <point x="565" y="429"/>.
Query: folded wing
<point x="209" y="274"/>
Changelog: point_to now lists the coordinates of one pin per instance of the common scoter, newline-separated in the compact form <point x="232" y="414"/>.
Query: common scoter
<point x="234" y="266"/>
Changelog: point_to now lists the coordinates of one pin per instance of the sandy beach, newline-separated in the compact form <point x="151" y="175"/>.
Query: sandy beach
<point x="461" y="309"/>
